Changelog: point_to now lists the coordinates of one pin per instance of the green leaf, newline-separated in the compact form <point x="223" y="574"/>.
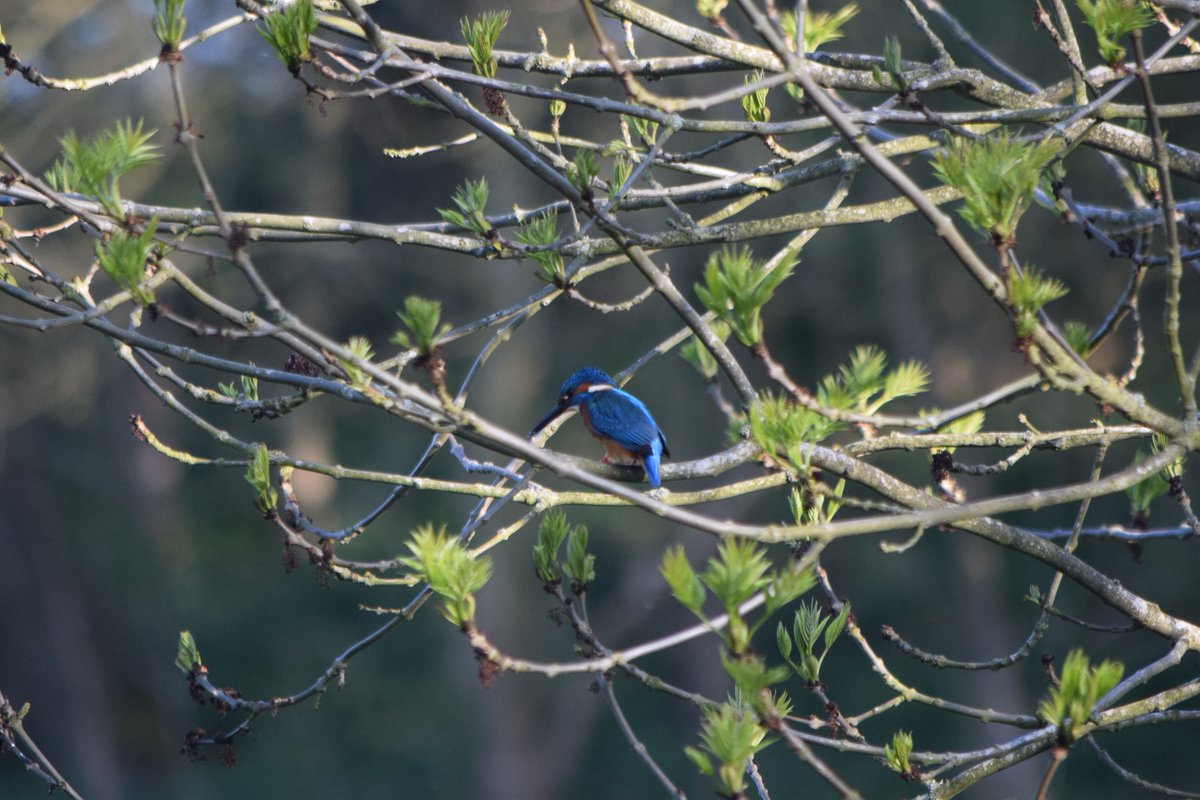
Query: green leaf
<point x="997" y="177"/>
<point x="1080" y="686"/>
<point x="94" y="167"/>
<point x="731" y="735"/>
<point x="258" y="475"/>
<point x="786" y="585"/>
<point x="736" y="288"/>
<point x="738" y="570"/>
<point x="711" y="9"/>
<point x="444" y="563"/>
<point x="751" y="676"/>
<point x="423" y="320"/>
<point x="539" y="232"/>
<point x="1143" y="493"/>
<point x="779" y="426"/>
<point x="580" y="566"/>
<point x="471" y="198"/>
<point x="820" y="27"/>
<point x="287" y="29"/>
<point x="123" y="257"/>
<point x="700" y="759"/>
<point x="169" y="23"/>
<point x="583" y="170"/>
<point x="1113" y="19"/>
<point x="187" y="656"/>
<point x="481" y="34"/>
<point x="1078" y="336"/>
<point x="551" y="534"/>
<point x="682" y="579"/>
<point x="898" y="751"/>
<point x="1028" y="290"/>
<point x="360" y="350"/>
<point x="783" y="642"/>
<point x="754" y="104"/>
<point x="695" y="353"/>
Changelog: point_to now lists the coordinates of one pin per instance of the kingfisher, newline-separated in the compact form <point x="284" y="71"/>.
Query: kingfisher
<point x="619" y="420"/>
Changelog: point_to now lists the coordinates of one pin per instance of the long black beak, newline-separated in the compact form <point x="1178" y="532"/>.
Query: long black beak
<point x="546" y="420"/>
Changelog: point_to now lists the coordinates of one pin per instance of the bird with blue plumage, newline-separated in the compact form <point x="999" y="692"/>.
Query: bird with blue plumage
<point x="620" y="421"/>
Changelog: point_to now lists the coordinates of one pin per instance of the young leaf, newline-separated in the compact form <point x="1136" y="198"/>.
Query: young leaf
<point x="481" y="34"/>
<point x="551" y="534"/>
<point x="423" y="319"/>
<point x="187" y="656"/>
<point x="258" y="475"/>
<point x="736" y="288"/>
<point x="681" y="578"/>
<point x="1113" y="19"/>
<point x="450" y="570"/>
<point x="286" y="29"/>
<point x="997" y="177"/>
<point x="580" y="566"/>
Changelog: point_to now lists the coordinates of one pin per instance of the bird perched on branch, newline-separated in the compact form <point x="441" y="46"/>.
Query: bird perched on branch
<point x="619" y="420"/>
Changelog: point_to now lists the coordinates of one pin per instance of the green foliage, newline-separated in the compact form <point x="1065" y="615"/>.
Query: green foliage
<point x="781" y="427"/>
<point x="621" y="170"/>
<point x="1112" y="20"/>
<point x="1070" y="704"/>
<point x="451" y="571"/>
<point x="738" y="570"/>
<point x="1077" y="336"/>
<point x="248" y="391"/>
<point x="258" y="475"/>
<point x="731" y="735"/>
<point x="583" y="170"/>
<point x="736" y="288"/>
<point x="695" y="353"/>
<point x="865" y="386"/>
<point x="997" y="177"/>
<point x="471" y="199"/>
<point x="892" y="73"/>
<point x="685" y="585"/>
<point x="286" y="29"/>
<point x="816" y="507"/>
<point x="187" y="656"/>
<point x="1028" y="291"/>
<point x="711" y="10"/>
<point x="423" y="320"/>
<point x="557" y="108"/>
<point x="820" y="27"/>
<point x="965" y="425"/>
<point x="539" y="232"/>
<point x="580" y="566"/>
<point x="1150" y="488"/>
<point x="169" y="23"/>
<point x="94" y="167"/>
<point x="807" y="627"/>
<point x="360" y="350"/>
<point x="481" y="34"/>
<point x="754" y="105"/>
<point x="646" y="129"/>
<point x="898" y="751"/>
<point x="123" y="258"/>
<point x="752" y="679"/>
<point x="551" y="534"/>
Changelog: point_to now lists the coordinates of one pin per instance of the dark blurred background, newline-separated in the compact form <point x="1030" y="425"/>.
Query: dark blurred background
<point x="108" y="550"/>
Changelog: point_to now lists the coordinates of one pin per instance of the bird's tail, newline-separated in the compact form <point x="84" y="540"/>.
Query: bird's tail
<point x="650" y="464"/>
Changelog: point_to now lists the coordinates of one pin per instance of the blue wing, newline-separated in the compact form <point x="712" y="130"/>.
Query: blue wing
<point x="620" y="416"/>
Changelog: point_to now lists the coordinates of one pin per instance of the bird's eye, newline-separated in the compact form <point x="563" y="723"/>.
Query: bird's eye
<point x="564" y="398"/>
